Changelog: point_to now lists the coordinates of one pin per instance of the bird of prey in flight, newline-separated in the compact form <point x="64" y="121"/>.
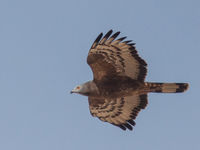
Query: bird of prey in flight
<point x="118" y="90"/>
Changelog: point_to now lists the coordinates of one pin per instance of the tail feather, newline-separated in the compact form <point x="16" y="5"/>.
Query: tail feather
<point x="166" y="87"/>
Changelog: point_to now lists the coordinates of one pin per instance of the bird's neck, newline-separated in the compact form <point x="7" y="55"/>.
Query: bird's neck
<point x="91" y="88"/>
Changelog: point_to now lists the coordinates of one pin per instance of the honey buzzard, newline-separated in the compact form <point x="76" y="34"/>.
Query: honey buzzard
<point x="118" y="90"/>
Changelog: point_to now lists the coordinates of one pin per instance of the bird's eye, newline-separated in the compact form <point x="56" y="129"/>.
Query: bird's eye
<point x="78" y="87"/>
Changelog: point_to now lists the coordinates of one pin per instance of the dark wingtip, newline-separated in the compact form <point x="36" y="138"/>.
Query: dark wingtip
<point x="128" y="126"/>
<point x="115" y="35"/>
<point x="182" y="87"/>
<point x="131" y="122"/>
<point x="127" y="41"/>
<point x="109" y="32"/>
<point x="122" y="38"/>
<point x="122" y="127"/>
<point x="97" y="40"/>
<point x="106" y="37"/>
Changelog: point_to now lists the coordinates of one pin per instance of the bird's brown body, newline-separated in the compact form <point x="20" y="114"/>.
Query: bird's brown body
<point x="128" y="87"/>
<point x="123" y="87"/>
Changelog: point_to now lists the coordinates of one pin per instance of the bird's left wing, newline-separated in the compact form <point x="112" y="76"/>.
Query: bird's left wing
<point x="109" y="58"/>
<point x="120" y="112"/>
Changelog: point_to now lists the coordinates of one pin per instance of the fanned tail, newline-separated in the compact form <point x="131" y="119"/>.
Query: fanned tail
<point x="166" y="87"/>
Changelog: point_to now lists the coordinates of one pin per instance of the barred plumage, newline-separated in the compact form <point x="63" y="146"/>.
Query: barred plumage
<point x="118" y="91"/>
<point x="166" y="87"/>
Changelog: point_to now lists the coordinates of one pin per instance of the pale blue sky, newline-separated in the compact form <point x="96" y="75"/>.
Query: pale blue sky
<point x="43" y="50"/>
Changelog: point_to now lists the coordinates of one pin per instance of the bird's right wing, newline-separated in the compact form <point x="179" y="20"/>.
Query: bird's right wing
<point x="120" y="112"/>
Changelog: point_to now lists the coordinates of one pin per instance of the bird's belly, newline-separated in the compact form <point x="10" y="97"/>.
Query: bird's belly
<point x="119" y="93"/>
<point x="115" y="89"/>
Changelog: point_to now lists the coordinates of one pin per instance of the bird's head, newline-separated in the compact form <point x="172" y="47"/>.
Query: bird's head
<point x="81" y="89"/>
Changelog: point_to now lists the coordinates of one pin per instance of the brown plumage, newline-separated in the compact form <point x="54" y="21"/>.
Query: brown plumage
<point x="118" y="91"/>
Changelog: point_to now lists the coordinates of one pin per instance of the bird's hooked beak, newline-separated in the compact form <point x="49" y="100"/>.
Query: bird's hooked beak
<point x="71" y="91"/>
<point x="76" y="90"/>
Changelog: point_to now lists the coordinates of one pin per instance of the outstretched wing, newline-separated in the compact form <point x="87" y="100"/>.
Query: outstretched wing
<point x="109" y="58"/>
<point x="120" y="112"/>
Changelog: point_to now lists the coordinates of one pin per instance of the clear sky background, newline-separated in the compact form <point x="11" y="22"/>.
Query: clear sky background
<point x="43" y="50"/>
